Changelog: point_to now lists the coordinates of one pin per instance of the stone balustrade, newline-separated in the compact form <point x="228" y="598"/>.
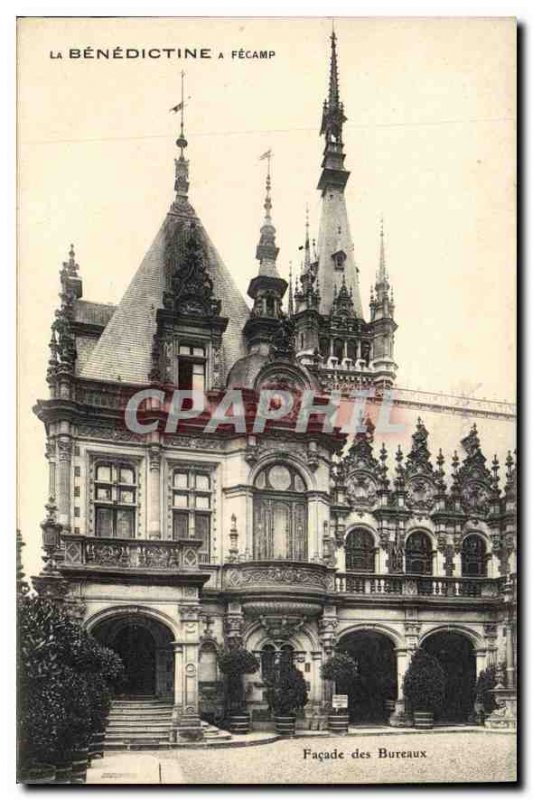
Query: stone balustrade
<point x="416" y="585"/>
<point x="81" y="551"/>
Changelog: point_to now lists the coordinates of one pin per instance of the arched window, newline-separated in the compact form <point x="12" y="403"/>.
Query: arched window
<point x="418" y="554"/>
<point x="268" y="663"/>
<point x="473" y="556"/>
<point x="276" y="661"/>
<point x="360" y="551"/>
<point x="286" y="657"/>
<point x="280" y="514"/>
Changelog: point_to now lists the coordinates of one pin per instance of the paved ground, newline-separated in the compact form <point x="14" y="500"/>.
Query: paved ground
<point x="449" y="757"/>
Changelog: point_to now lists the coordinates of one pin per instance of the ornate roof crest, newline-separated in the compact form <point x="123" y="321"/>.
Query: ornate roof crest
<point x="191" y="288"/>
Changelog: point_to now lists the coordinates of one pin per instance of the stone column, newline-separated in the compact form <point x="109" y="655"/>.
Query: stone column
<point x="399" y="718"/>
<point x="63" y="493"/>
<point x="178" y="678"/>
<point x="327" y="634"/>
<point x="186" y="718"/>
<point x="154" y="492"/>
<point x="509" y="656"/>
<point x="50" y="454"/>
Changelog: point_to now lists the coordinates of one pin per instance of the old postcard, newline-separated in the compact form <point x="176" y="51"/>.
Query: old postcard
<point x="267" y="400"/>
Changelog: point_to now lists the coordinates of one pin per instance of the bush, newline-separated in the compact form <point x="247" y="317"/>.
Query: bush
<point x="340" y="668"/>
<point x="485" y="682"/>
<point x="424" y="683"/>
<point x="65" y="682"/>
<point x="289" y="694"/>
<point x="234" y="663"/>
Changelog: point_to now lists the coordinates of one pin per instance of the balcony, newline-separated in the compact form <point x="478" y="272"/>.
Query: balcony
<point x="131" y="556"/>
<point x="417" y="586"/>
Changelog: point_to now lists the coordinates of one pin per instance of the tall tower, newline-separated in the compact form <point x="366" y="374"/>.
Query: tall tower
<point x="332" y="337"/>
<point x="336" y="262"/>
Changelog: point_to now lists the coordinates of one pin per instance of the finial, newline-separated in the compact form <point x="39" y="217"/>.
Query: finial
<point x="268" y="186"/>
<point x="181" y="181"/>
<point x="182" y="141"/>
<point x="382" y="272"/>
<point x="290" y="303"/>
<point x="266" y="251"/>
<point x="307" y="248"/>
<point x="71" y="266"/>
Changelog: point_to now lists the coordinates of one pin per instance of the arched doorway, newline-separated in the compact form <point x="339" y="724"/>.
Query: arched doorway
<point x="376" y="681"/>
<point x="456" y="656"/>
<point x="145" y="647"/>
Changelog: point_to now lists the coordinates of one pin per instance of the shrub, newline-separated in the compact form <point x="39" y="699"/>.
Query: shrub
<point x="485" y="682"/>
<point x="424" y="683"/>
<point x="289" y="694"/>
<point x="234" y="663"/>
<point x="340" y="668"/>
<point x="65" y="682"/>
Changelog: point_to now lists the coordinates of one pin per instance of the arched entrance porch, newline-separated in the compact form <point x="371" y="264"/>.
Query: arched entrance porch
<point x="145" y="647"/>
<point x="456" y="656"/>
<point x="376" y="682"/>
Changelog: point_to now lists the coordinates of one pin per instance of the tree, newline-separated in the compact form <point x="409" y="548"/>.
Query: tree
<point x="289" y="694"/>
<point x="65" y="679"/>
<point x="424" y="683"/>
<point x="484" y="696"/>
<point x="340" y="668"/>
<point x="235" y="662"/>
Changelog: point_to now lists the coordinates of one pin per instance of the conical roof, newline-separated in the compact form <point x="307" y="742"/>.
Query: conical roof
<point x="124" y="350"/>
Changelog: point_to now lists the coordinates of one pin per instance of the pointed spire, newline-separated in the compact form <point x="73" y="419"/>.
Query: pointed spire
<point x="382" y="271"/>
<point x="267" y="252"/>
<point x="333" y="96"/>
<point x="333" y="111"/>
<point x="71" y="266"/>
<point x="181" y="181"/>
<point x="307" y="247"/>
<point x="290" y="304"/>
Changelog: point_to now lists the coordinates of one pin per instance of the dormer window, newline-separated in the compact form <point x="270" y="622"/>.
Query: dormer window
<point x="339" y="259"/>
<point x="192" y="363"/>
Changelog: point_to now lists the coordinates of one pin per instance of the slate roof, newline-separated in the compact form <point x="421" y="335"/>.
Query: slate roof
<point x="124" y="350"/>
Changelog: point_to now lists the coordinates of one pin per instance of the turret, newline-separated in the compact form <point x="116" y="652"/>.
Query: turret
<point x="382" y="322"/>
<point x="267" y="288"/>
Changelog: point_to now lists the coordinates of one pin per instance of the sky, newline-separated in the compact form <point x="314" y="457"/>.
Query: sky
<point x="430" y="143"/>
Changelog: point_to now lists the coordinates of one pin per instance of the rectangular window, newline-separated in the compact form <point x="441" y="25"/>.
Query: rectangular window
<point x="125" y="523"/>
<point x="104" y="522"/>
<point x="115" y="494"/>
<point x="181" y="525"/>
<point x="192" y="364"/>
<point x="191" y="508"/>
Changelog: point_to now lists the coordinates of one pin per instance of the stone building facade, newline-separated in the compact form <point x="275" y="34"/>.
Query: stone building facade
<point x="168" y="543"/>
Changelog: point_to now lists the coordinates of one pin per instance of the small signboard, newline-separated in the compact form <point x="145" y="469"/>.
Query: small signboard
<point x="339" y="701"/>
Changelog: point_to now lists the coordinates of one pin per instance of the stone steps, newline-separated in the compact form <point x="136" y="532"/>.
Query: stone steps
<point x="145" y="724"/>
<point x="138" y="723"/>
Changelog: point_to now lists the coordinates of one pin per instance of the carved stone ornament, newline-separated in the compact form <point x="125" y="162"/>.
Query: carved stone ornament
<point x="191" y="288"/>
<point x="281" y="628"/>
<point x="361" y="490"/>
<point x="421" y="493"/>
<point x="475" y="497"/>
<point x="247" y="576"/>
